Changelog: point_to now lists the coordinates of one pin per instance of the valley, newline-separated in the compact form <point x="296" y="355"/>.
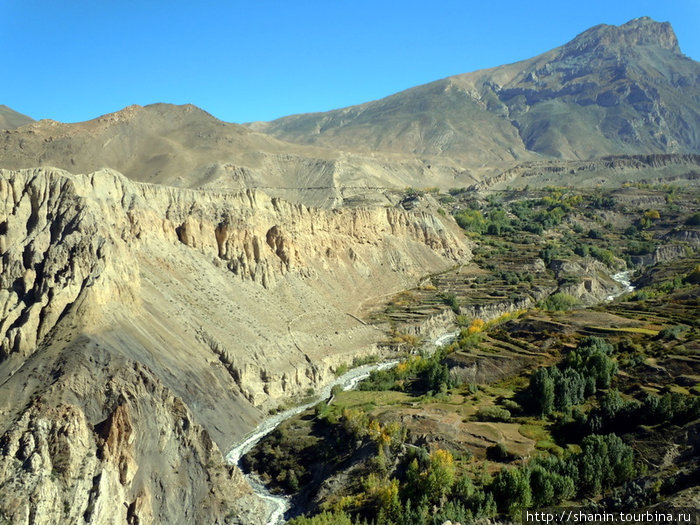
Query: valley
<point x="472" y="413"/>
<point x="175" y="289"/>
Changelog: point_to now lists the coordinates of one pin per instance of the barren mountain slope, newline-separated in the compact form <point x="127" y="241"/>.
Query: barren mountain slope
<point x="10" y="119"/>
<point x="145" y="328"/>
<point x="161" y="143"/>
<point x="611" y="90"/>
<point x="607" y="172"/>
<point x="186" y="147"/>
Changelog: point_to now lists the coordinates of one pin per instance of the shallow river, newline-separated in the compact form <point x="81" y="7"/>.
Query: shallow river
<point x="624" y="279"/>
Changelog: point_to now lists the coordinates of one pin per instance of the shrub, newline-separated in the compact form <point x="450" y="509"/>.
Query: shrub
<point x="672" y="332"/>
<point x="693" y="220"/>
<point x="511" y="406"/>
<point x="452" y="301"/>
<point x="605" y="256"/>
<point x="559" y="301"/>
<point x="325" y="518"/>
<point x="694" y="276"/>
<point x="471" y="220"/>
<point x="492" y="413"/>
<point x="499" y="452"/>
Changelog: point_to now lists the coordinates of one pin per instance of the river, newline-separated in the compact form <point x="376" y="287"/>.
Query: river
<point x="624" y="279"/>
<point x="279" y="505"/>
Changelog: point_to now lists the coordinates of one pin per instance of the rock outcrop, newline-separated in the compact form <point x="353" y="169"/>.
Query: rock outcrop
<point x="586" y="279"/>
<point x="57" y="466"/>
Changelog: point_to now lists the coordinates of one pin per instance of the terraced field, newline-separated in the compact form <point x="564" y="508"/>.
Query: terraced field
<point x="474" y="406"/>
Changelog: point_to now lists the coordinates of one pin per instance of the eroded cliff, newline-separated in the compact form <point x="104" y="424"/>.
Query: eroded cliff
<point x="145" y="328"/>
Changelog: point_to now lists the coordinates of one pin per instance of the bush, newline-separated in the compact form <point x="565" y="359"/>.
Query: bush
<point x="325" y="518"/>
<point x="452" y="301"/>
<point x="512" y="406"/>
<point x="559" y="301"/>
<point x="693" y="220"/>
<point x="499" y="452"/>
<point x="492" y="413"/>
<point x="694" y="276"/>
<point x="471" y="220"/>
<point x="672" y="332"/>
<point x="605" y="256"/>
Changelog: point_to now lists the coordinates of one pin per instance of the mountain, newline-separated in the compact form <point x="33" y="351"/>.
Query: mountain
<point x="167" y="279"/>
<point x="611" y="90"/>
<point x="187" y="147"/>
<point x="160" y="143"/>
<point x="11" y="119"/>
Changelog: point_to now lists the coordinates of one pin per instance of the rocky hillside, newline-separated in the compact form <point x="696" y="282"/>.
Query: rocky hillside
<point x="145" y="328"/>
<point x="10" y="119"/>
<point x="186" y="147"/>
<point x="609" y="172"/>
<point x="611" y="90"/>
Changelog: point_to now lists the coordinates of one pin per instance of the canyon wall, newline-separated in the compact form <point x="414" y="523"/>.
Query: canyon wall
<point x="144" y="329"/>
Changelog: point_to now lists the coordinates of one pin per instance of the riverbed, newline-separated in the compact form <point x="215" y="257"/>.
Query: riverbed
<point x="624" y="278"/>
<point x="279" y="504"/>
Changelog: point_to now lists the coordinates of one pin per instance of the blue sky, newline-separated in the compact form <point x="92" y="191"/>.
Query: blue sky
<point x="260" y="59"/>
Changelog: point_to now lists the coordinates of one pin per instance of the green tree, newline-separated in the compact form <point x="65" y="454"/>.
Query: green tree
<point x="549" y="487"/>
<point x="511" y="490"/>
<point x="471" y="220"/>
<point x="541" y="392"/>
<point x="592" y="359"/>
<point x="605" y="461"/>
<point x="440" y="476"/>
<point x="324" y="518"/>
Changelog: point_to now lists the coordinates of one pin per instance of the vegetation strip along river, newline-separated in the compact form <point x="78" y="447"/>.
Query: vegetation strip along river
<point x="281" y="504"/>
<point x="347" y="381"/>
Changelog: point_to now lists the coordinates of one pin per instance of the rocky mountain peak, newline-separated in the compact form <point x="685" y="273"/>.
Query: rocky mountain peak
<point x="157" y="112"/>
<point x="638" y="32"/>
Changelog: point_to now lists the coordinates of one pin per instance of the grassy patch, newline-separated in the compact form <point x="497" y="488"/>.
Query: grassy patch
<point x="627" y="330"/>
<point x="535" y="432"/>
<point x="357" y="398"/>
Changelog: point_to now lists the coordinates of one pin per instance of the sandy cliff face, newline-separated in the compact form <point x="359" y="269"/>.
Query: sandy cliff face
<point x="143" y="329"/>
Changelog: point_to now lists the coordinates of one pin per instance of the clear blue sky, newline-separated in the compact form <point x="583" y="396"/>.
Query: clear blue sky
<point x="259" y="60"/>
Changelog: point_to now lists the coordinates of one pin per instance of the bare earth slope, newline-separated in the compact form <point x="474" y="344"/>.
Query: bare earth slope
<point x="186" y="147"/>
<point x="145" y="328"/>
<point x="611" y="90"/>
<point x="11" y="119"/>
